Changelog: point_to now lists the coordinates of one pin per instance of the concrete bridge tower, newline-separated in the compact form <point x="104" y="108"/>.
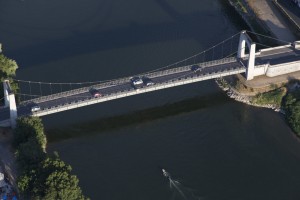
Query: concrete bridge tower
<point x="10" y="101"/>
<point x="245" y="39"/>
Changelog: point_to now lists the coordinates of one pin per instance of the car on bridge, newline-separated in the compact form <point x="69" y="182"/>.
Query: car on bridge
<point x="147" y="81"/>
<point x="95" y="93"/>
<point x="35" y="108"/>
<point x="196" y="68"/>
<point x="136" y="81"/>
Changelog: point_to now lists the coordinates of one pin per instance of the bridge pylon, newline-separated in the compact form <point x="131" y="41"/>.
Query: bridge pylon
<point x="10" y="101"/>
<point x="246" y="40"/>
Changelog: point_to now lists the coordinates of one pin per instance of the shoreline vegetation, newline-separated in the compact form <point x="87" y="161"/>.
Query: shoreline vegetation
<point x="32" y="172"/>
<point x="42" y="176"/>
<point x="271" y="99"/>
<point x="8" y="69"/>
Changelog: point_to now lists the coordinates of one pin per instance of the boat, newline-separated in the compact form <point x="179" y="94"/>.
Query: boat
<point x="165" y="173"/>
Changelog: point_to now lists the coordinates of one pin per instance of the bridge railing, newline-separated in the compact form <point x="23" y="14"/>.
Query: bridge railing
<point x="188" y="67"/>
<point x="129" y="91"/>
<point x="127" y="79"/>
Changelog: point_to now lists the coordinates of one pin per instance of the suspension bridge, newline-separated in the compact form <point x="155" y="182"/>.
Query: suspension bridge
<point x="234" y="55"/>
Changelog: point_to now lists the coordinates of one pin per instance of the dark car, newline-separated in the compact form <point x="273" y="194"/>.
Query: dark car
<point x="95" y="93"/>
<point x="196" y="68"/>
<point x="147" y="81"/>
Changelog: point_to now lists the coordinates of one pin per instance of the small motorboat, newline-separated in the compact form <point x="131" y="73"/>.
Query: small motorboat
<point x="165" y="173"/>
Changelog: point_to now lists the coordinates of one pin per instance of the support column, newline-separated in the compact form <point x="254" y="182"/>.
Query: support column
<point x="242" y="45"/>
<point x="6" y="96"/>
<point x="251" y="62"/>
<point x="10" y="101"/>
<point x="13" y="110"/>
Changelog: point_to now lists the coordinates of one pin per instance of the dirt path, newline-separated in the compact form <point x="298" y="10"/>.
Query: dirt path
<point x="273" y="19"/>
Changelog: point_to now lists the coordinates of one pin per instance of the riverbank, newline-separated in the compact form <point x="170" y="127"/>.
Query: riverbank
<point x="261" y="16"/>
<point x="229" y="86"/>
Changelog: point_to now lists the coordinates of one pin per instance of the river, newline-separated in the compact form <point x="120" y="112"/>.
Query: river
<point x="213" y="147"/>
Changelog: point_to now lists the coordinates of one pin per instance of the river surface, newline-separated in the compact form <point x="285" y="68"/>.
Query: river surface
<point x="213" y="148"/>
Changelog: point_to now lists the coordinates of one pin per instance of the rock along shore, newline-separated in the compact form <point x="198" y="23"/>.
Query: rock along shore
<point x="243" y="98"/>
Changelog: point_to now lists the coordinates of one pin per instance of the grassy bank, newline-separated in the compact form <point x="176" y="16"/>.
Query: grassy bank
<point x="273" y="97"/>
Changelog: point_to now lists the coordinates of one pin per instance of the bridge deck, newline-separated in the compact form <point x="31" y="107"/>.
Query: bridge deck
<point x="123" y="88"/>
<point x="163" y="79"/>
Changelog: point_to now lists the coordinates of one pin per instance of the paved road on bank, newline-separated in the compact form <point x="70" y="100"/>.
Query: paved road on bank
<point x="269" y="14"/>
<point x="292" y="9"/>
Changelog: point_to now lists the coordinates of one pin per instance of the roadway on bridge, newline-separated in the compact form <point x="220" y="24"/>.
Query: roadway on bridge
<point x="25" y="109"/>
<point x="274" y="56"/>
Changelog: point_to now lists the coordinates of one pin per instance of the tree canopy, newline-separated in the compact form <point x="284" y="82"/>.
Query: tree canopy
<point x="8" y="67"/>
<point x="42" y="176"/>
<point x="292" y="107"/>
<point x="30" y="127"/>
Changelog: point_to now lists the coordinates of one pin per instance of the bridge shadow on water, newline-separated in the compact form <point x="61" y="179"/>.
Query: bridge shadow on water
<point x="105" y="124"/>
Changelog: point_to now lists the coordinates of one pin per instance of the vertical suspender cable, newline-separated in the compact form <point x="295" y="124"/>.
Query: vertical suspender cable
<point x="222" y="49"/>
<point x="50" y="88"/>
<point x="29" y="89"/>
<point x="41" y="94"/>
<point x="19" y="85"/>
<point x="231" y="45"/>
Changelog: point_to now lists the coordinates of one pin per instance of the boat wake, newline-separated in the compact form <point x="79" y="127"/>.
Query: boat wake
<point x="179" y="190"/>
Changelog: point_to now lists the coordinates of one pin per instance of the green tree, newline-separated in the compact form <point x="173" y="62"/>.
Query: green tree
<point x="57" y="181"/>
<point x="8" y="67"/>
<point x="30" y="154"/>
<point x="294" y="117"/>
<point x="30" y="127"/>
<point x="42" y="177"/>
<point x="25" y="183"/>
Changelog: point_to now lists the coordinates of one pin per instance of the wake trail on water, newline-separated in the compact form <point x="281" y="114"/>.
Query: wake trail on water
<point x="179" y="190"/>
<point x="175" y="186"/>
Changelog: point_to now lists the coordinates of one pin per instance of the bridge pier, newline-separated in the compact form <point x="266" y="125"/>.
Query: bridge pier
<point x="251" y="62"/>
<point x="245" y="39"/>
<point x="10" y="101"/>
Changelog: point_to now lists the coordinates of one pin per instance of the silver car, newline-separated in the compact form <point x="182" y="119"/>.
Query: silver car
<point x="35" y="108"/>
<point x="136" y="81"/>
